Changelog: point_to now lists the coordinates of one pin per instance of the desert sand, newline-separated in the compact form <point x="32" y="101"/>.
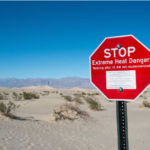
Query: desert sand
<point x="36" y="131"/>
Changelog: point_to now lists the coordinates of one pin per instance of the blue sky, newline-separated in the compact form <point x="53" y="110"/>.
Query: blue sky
<point x="55" y="39"/>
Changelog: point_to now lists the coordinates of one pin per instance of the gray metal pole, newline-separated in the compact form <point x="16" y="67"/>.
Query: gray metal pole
<point x="122" y="125"/>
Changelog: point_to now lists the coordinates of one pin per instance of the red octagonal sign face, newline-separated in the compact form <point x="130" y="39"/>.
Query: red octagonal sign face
<point x="120" y="68"/>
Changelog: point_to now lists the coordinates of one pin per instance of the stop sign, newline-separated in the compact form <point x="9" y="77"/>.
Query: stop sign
<point x="120" y="68"/>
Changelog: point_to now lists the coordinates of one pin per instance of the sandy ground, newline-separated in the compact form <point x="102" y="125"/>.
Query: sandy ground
<point x="36" y="131"/>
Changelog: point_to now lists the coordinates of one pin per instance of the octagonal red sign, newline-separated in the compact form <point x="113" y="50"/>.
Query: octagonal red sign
<point x="120" y="68"/>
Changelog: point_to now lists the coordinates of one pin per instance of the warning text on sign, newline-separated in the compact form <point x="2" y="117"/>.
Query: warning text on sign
<point x="124" y="79"/>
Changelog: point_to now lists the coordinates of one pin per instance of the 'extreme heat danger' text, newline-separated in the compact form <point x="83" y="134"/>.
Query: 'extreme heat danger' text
<point x="121" y="61"/>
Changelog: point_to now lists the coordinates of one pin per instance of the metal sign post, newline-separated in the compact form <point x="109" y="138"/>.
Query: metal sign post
<point x="122" y="125"/>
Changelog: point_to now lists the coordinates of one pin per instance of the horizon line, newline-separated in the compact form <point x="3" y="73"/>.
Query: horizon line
<point x="45" y="78"/>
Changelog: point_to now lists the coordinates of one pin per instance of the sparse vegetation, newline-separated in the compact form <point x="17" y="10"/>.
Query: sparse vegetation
<point x="68" y="98"/>
<point x="46" y="93"/>
<point x="70" y="112"/>
<point x="78" y="94"/>
<point x="146" y="104"/>
<point x="20" y="96"/>
<point x="96" y="93"/>
<point x="77" y="100"/>
<point x="83" y="93"/>
<point x="16" y="96"/>
<point x="3" y="97"/>
<point x="5" y="93"/>
<point x="92" y="94"/>
<point x="8" y="109"/>
<point x="145" y="92"/>
<point x="61" y="94"/>
<point x="93" y="103"/>
<point x="29" y="95"/>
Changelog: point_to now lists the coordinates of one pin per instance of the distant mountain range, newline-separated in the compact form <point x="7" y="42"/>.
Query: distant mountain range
<point x="68" y="82"/>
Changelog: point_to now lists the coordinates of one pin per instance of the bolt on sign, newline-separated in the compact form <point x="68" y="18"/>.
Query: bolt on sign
<point x="120" y="68"/>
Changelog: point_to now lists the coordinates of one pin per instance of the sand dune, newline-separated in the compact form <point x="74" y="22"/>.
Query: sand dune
<point x="35" y="88"/>
<point x="35" y="130"/>
<point x="4" y="88"/>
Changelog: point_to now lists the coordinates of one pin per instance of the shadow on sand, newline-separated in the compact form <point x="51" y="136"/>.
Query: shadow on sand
<point x="24" y="118"/>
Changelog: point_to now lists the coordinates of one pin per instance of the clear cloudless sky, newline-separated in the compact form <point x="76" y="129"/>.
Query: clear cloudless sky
<point x="55" y="39"/>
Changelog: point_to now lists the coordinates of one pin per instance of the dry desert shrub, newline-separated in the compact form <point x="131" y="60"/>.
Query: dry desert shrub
<point x="29" y="95"/>
<point x="70" y="112"/>
<point x="24" y="95"/>
<point x="96" y="93"/>
<point x="146" y="104"/>
<point x="83" y="93"/>
<point x="78" y="100"/>
<point x="78" y="94"/>
<point x="46" y="93"/>
<point x="16" y="96"/>
<point x="8" y="109"/>
<point x="93" y="103"/>
<point x="3" y="97"/>
<point x="145" y="92"/>
<point x="61" y="94"/>
<point x="92" y="94"/>
<point x="5" y="93"/>
<point x="68" y="98"/>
